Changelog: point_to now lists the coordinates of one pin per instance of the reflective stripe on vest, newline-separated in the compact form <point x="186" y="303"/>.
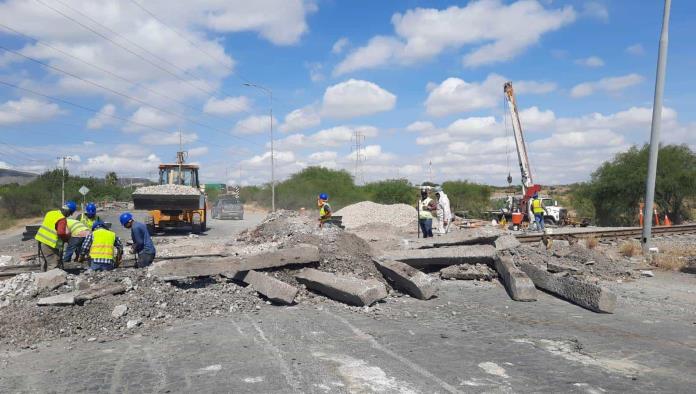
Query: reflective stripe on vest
<point x="323" y="212"/>
<point x="46" y="233"/>
<point x="102" y="244"/>
<point x="424" y="212"/>
<point x="76" y="226"/>
<point x="536" y="206"/>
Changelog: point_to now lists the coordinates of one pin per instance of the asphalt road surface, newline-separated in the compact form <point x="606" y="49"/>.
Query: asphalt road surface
<point x="472" y="338"/>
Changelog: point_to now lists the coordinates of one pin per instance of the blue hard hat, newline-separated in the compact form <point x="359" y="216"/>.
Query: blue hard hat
<point x="98" y="224"/>
<point x="323" y="196"/>
<point x="536" y="195"/>
<point x="125" y="218"/>
<point x="91" y="209"/>
<point x="70" y="206"/>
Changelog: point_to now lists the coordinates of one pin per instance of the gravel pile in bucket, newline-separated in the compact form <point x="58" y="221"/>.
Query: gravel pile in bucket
<point x="167" y="189"/>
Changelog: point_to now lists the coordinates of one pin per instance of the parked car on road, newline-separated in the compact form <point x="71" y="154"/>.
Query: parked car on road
<point x="228" y="208"/>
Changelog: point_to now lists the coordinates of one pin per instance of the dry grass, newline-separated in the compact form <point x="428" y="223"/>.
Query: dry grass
<point x="630" y="248"/>
<point x="591" y="242"/>
<point x="674" y="259"/>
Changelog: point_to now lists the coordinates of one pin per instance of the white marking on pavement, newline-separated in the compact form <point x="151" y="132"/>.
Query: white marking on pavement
<point x="493" y="369"/>
<point x="212" y="368"/>
<point x="373" y="342"/>
<point x="362" y="377"/>
<point x="256" y="379"/>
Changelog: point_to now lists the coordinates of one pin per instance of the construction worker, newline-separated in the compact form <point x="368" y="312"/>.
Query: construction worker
<point x="89" y="216"/>
<point x="99" y="246"/>
<point x="51" y="234"/>
<point x="444" y="209"/>
<point x="78" y="232"/>
<point x="426" y="207"/>
<point x="143" y="248"/>
<point x="538" y="209"/>
<point x="324" y="209"/>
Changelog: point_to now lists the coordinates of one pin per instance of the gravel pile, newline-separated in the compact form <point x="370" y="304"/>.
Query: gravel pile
<point x="368" y="212"/>
<point x="21" y="285"/>
<point x="167" y="190"/>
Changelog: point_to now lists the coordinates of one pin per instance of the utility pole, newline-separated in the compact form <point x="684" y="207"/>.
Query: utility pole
<point x="357" y="147"/>
<point x="270" y="106"/>
<point x="655" y="130"/>
<point x="62" y="178"/>
<point x="430" y="171"/>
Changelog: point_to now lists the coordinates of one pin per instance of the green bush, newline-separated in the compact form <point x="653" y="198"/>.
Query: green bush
<point x="393" y="191"/>
<point x="471" y="198"/>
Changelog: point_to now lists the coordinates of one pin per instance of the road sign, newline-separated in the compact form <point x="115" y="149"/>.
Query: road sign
<point x="84" y="190"/>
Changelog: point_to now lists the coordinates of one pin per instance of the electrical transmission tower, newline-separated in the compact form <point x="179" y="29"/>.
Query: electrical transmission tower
<point x="358" y="140"/>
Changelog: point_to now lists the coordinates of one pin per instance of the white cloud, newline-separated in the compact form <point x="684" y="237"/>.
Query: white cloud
<point x="102" y="118"/>
<point x="120" y="164"/>
<point x="300" y="119"/>
<point x="592" y="61"/>
<point x="608" y="85"/>
<point x="474" y="126"/>
<point x="315" y="71"/>
<point x="5" y="166"/>
<point x="372" y="153"/>
<point x="534" y="87"/>
<point x="420" y="126"/>
<point x="455" y="95"/>
<point x="199" y="151"/>
<point x="356" y="98"/>
<point x="323" y="156"/>
<point x="340" y="45"/>
<point x="579" y="140"/>
<point x="595" y="9"/>
<point x="630" y="119"/>
<point x="27" y="110"/>
<point x="161" y="138"/>
<point x="147" y="117"/>
<point x="263" y="160"/>
<point x="635" y="49"/>
<point x="533" y="119"/>
<point x="331" y="137"/>
<point x="496" y="31"/>
<point x="254" y="124"/>
<point x="227" y="105"/>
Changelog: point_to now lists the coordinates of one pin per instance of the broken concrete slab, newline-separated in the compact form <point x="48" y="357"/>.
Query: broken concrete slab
<point x="50" y="280"/>
<point x="229" y="267"/>
<point x="271" y="288"/>
<point x="506" y="242"/>
<point x="468" y="272"/>
<point x="473" y="236"/>
<point x="99" y="291"/>
<point x="350" y="290"/>
<point x="579" y="292"/>
<point x="133" y="323"/>
<point x="518" y="285"/>
<point x="555" y="267"/>
<point x="408" y="279"/>
<point x="420" y="258"/>
<point x="58" y="300"/>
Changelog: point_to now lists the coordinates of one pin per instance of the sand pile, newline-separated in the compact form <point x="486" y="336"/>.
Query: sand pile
<point x="368" y="212"/>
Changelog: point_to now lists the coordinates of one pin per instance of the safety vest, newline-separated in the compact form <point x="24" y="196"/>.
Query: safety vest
<point x="424" y="213"/>
<point x="47" y="233"/>
<point x="536" y="206"/>
<point x="323" y="211"/>
<point x="102" y="244"/>
<point x="76" y="226"/>
<point x="87" y="221"/>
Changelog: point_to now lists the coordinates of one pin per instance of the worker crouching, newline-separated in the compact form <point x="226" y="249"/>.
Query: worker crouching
<point x="78" y="232"/>
<point x="102" y="247"/>
<point x="143" y="248"/>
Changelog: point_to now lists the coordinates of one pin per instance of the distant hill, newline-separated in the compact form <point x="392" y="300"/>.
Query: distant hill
<point x="8" y="176"/>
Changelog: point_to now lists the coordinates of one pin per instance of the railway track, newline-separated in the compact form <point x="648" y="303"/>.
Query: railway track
<point x="608" y="233"/>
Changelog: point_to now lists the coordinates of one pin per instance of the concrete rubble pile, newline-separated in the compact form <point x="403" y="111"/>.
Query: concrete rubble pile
<point x="167" y="190"/>
<point x="368" y="213"/>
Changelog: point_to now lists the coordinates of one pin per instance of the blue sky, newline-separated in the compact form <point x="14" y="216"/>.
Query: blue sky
<point x="422" y="81"/>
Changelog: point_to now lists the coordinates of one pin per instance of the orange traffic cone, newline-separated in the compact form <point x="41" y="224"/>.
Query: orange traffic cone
<point x="657" y="217"/>
<point x="667" y="222"/>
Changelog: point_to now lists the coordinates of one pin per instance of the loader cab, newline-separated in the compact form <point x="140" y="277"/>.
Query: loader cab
<point x="175" y="174"/>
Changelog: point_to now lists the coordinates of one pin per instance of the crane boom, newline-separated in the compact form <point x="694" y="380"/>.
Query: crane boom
<point x="522" y="156"/>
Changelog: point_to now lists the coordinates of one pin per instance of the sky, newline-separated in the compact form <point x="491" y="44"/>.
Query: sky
<point x="405" y="89"/>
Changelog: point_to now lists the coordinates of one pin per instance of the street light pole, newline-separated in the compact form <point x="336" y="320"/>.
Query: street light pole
<point x="270" y="98"/>
<point x="655" y="130"/>
<point x="62" y="179"/>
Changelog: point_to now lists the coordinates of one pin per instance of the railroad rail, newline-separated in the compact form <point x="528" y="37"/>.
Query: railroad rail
<point x="612" y="233"/>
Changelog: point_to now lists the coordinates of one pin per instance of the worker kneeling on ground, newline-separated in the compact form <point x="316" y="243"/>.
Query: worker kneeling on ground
<point x="103" y="248"/>
<point x="324" y="209"/>
<point x="51" y="234"/>
<point x="143" y="248"/>
<point x="78" y="232"/>
<point x="89" y="216"/>
<point x="538" y="209"/>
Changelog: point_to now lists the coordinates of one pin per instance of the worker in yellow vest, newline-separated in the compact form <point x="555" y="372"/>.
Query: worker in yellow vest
<point x="426" y="207"/>
<point x="538" y="209"/>
<point x="324" y="209"/>
<point x="89" y="216"/>
<point x="51" y="235"/>
<point x="103" y="248"/>
<point x="78" y="232"/>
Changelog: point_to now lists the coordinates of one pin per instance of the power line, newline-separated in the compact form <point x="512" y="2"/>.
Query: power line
<point x="124" y="95"/>
<point x="106" y="71"/>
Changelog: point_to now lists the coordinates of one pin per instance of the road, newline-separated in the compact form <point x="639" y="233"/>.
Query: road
<point x="472" y="338"/>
